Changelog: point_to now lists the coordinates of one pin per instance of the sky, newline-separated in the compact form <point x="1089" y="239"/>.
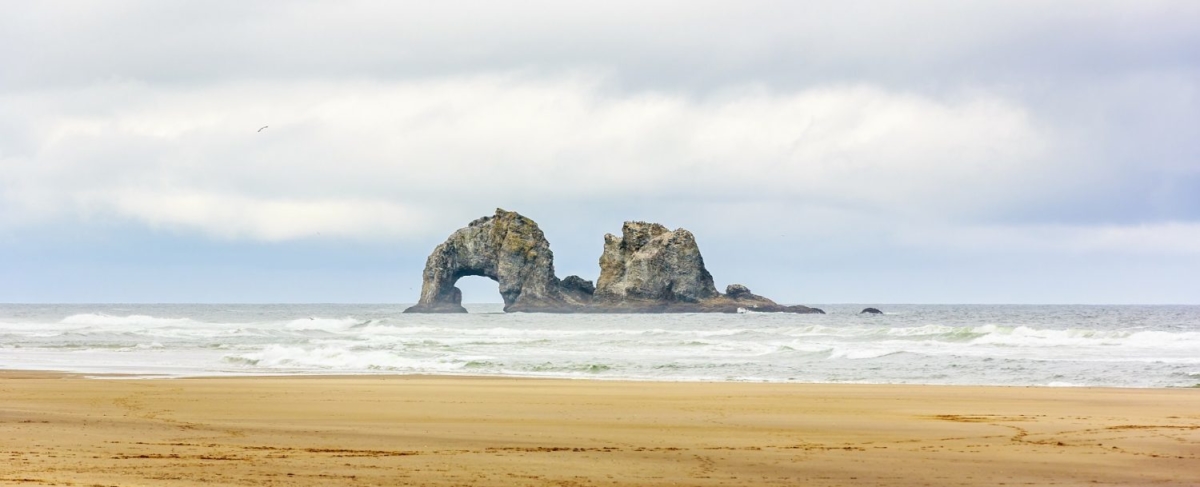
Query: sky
<point x="821" y="152"/>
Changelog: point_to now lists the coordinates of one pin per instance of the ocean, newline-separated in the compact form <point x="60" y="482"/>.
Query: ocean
<point x="1012" y="345"/>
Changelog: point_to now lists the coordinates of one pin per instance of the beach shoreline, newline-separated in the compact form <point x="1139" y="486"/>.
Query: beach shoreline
<point x="62" y="429"/>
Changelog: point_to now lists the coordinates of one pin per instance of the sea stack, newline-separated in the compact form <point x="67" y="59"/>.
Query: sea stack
<point x="651" y="263"/>
<point x="507" y="248"/>
<point x="648" y="269"/>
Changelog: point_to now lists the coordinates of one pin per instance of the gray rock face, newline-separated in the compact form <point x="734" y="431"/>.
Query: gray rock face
<point x="739" y="297"/>
<point x="736" y="291"/>
<point x="507" y="248"/>
<point x="649" y="269"/>
<point x="651" y="263"/>
<point x="576" y="284"/>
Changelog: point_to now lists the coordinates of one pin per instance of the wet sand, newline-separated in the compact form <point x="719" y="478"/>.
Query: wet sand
<point x="375" y="430"/>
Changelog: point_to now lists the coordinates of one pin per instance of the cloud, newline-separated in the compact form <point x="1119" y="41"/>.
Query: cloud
<point x="270" y="220"/>
<point x="376" y="153"/>
<point x="1080" y="111"/>
<point x="837" y="134"/>
<point x="659" y="45"/>
<point x="1155" y="239"/>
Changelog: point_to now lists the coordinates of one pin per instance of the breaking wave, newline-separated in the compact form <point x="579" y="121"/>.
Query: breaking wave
<point x="1116" y="346"/>
<point x="96" y="319"/>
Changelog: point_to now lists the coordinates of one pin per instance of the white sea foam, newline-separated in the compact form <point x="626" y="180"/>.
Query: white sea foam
<point x="96" y="319"/>
<point x="859" y="354"/>
<point x="952" y="345"/>
<point x="323" y="324"/>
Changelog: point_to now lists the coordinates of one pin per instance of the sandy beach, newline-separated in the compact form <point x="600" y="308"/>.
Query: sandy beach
<point x="387" y="430"/>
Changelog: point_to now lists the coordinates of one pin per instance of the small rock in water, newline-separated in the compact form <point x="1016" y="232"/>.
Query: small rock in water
<point x="736" y="291"/>
<point x="871" y="311"/>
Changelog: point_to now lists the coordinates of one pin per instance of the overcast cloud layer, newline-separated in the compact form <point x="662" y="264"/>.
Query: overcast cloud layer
<point x="858" y="152"/>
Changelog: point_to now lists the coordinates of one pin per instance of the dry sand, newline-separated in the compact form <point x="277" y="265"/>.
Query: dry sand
<point x="63" y="430"/>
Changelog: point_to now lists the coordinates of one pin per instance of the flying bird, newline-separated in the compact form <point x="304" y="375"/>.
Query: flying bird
<point x="263" y="127"/>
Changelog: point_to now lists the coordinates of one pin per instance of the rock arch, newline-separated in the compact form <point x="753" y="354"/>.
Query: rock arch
<point x="507" y="248"/>
<point x="649" y="269"/>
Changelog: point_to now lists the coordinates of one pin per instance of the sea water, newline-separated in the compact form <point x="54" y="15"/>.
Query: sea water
<point x="1119" y="346"/>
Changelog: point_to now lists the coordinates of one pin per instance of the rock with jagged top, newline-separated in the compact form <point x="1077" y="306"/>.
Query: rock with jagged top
<point x="651" y="263"/>
<point x="648" y="269"/>
<point x="651" y="268"/>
